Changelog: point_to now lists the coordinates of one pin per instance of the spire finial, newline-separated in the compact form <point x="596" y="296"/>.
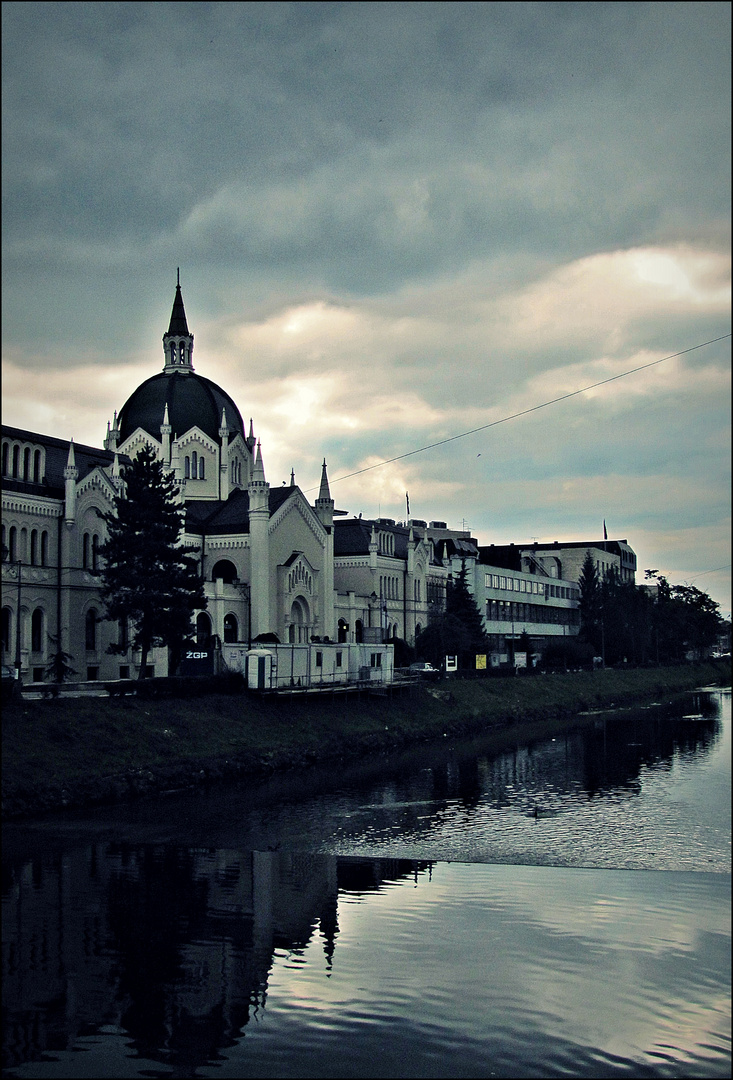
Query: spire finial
<point x="178" y="276"/>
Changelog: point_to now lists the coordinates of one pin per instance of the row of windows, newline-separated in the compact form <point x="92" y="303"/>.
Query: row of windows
<point x="300" y="577"/>
<point x="193" y="467"/>
<point x="22" y="463"/>
<point x="502" y="581"/>
<point x="389" y="588"/>
<point x="509" y="611"/>
<point x="17" y="545"/>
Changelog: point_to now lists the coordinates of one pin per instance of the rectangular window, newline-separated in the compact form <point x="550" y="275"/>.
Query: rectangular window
<point x="319" y="659"/>
<point x="502" y="583"/>
<point x="38" y="674"/>
<point x="92" y="674"/>
<point x="339" y="659"/>
<point x="376" y="659"/>
<point x="125" y="671"/>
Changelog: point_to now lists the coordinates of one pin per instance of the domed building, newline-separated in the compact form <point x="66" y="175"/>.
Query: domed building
<point x="272" y="563"/>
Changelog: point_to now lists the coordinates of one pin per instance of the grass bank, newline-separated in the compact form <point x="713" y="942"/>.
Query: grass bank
<point x="82" y="752"/>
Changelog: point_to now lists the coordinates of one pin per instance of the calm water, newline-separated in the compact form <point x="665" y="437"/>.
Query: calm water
<point x="562" y="909"/>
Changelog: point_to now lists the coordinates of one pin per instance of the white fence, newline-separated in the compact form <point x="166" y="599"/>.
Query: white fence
<point x="315" y="665"/>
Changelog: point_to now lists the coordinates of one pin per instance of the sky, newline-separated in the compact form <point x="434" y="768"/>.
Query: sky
<point x="395" y="224"/>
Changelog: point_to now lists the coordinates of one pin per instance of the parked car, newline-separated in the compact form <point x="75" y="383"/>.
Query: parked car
<point x="426" y="671"/>
<point x="9" y="682"/>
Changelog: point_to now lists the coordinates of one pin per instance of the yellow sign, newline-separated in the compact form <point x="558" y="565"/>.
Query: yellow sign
<point x="481" y="662"/>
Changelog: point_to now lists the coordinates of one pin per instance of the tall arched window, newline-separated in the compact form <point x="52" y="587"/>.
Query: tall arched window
<point x="6" y="631"/>
<point x="16" y="460"/>
<point x="44" y="548"/>
<point x="6" y="452"/>
<point x="34" y="547"/>
<point x="187" y="467"/>
<point x="230" y="628"/>
<point x="201" y="468"/>
<point x="203" y="629"/>
<point x="194" y="465"/>
<point x="85" y="551"/>
<point x="95" y="552"/>
<point x="37" y="467"/>
<point x="27" y="463"/>
<point x="37" y="630"/>
<point x="13" y="544"/>
<point x="173" y="352"/>
<point x="91" y="630"/>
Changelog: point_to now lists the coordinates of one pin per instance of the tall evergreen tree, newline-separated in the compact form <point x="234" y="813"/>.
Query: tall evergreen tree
<point x="590" y="603"/>
<point x="147" y="577"/>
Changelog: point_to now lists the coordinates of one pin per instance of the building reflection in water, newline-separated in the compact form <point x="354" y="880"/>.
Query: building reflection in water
<point x="171" y="946"/>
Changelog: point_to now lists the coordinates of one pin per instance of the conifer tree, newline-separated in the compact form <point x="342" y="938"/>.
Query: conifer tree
<point x="590" y="602"/>
<point x="147" y="577"/>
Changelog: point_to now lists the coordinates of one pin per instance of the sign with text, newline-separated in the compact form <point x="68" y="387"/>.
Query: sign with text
<point x="451" y="663"/>
<point x="481" y="662"/>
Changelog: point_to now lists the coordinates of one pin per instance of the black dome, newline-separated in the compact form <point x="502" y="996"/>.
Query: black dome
<point x="192" y="401"/>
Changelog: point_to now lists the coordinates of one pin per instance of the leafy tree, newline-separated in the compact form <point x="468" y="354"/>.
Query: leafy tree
<point x="148" y="578"/>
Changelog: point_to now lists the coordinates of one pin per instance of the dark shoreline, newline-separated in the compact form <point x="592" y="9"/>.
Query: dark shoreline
<point x="78" y="753"/>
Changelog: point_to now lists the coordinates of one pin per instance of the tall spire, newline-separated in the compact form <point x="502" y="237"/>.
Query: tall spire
<point x="324" y="492"/>
<point x="178" y="342"/>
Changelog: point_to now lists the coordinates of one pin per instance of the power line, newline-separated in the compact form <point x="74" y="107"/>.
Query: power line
<point x="526" y="412"/>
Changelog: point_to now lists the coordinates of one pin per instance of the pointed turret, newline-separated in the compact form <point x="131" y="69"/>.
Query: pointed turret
<point x="251" y="437"/>
<point x="178" y="342"/>
<point x="292" y="477"/>
<point x="224" y="472"/>
<point x="258" y="491"/>
<point x="113" y="434"/>
<point x="165" y="434"/>
<point x="324" y="493"/>
<point x="71" y="475"/>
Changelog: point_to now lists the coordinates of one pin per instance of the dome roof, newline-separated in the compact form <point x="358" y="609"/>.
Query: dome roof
<point x="192" y="401"/>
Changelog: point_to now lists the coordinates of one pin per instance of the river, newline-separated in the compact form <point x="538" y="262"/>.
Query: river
<point x="558" y="909"/>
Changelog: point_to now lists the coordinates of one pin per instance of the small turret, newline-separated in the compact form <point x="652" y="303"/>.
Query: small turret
<point x="165" y="434"/>
<point x="71" y="475"/>
<point x="224" y="478"/>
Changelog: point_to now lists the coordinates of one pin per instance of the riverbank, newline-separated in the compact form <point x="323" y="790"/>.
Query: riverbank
<point x="85" y="752"/>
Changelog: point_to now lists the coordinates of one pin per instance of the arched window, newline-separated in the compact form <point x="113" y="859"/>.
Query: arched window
<point x="230" y="628"/>
<point x="194" y="465"/>
<point x="16" y="459"/>
<point x="91" y="630"/>
<point x="187" y="467"/>
<point x="201" y="468"/>
<point x="173" y="352"/>
<point x="225" y="570"/>
<point x="44" y="548"/>
<point x="6" y="631"/>
<point x="181" y="352"/>
<point x="95" y="552"/>
<point x="27" y="463"/>
<point x="6" y="452"/>
<point x="203" y="629"/>
<point x="37" y="467"/>
<point x="34" y="547"/>
<point x="13" y="544"/>
<point x="23" y="547"/>
<point x="85" y="551"/>
<point x="37" y="630"/>
<point x="359" y="631"/>
<point x="343" y="630"/>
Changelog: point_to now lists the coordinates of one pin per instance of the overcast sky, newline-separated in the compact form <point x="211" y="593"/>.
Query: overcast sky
<point x="395" y="223"/>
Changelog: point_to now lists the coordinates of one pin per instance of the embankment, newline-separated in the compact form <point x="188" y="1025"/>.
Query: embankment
<point x="84" y="752"/>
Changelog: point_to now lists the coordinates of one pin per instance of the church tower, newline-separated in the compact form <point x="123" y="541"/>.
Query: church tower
<point x="259" y="536"/>
<point x="178" y="342"/>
